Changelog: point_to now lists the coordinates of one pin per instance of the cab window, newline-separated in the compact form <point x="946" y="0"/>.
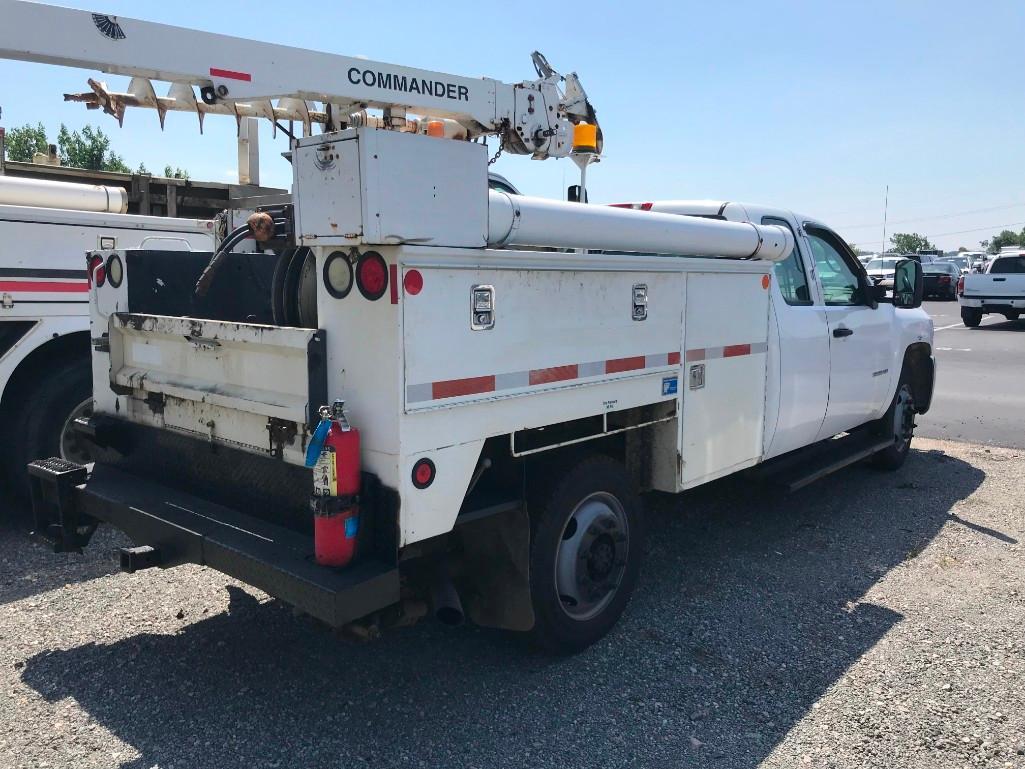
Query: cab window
<point x="1008" y="265"/>
<point x="840" y="283"/>
<point x="790" y="275"/>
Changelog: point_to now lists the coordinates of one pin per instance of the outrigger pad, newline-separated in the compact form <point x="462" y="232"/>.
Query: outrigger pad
<point x="55" y="515"/>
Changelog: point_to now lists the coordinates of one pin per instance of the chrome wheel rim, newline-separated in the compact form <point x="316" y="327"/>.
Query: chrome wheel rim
<point x="591" y="557"/>
<point x="903" y="419"/>
<point x="72" y="447"/>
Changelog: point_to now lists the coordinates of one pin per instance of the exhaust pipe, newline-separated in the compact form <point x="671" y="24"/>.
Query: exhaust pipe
<point x="445" y="603"/>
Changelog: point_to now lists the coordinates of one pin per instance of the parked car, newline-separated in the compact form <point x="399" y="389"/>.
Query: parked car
<point x="941" y="279"/>
<point x="963" y="263"/>
<point x="880" y="270"/>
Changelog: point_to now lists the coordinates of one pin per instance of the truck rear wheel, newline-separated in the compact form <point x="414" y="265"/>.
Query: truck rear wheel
<point x="44" y="427"/>
<point x="898" y="421"/>
<point x="585" y="553"/>
<point x="972" y="316"/>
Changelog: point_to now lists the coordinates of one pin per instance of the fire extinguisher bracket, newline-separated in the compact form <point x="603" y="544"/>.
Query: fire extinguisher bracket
<point x="332" y="505"/>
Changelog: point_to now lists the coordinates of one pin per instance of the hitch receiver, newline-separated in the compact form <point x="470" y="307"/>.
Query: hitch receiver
<point x="55" y="514"/>
<point x="135" y="559"/>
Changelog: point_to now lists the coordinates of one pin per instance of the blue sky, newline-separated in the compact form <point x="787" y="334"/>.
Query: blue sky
<point x="814" y="106"/>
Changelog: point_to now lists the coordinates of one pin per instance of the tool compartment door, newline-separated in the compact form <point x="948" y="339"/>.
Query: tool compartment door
<point x="553" y="329"/>
<point x="247" y="385"/>
<point x="725" y="343"/>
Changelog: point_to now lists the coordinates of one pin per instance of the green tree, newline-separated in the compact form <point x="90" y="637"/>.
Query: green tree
<point x="909" y="242"/>
<point x="22" y="143"/>
<point x="89" y="149"/>
<point x="1004" y="238"/>
<point x="175" y="173"/>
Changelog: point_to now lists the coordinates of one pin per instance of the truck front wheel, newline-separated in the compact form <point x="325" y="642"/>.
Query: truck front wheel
<point x="972" y="316"/>
<point x="898" y="421"/>
<point x="585" y="553"/>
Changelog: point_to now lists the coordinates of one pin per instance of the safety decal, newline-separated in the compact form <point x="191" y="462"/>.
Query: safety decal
<point x="728" y="351"/>
<point x="454" y="388"/>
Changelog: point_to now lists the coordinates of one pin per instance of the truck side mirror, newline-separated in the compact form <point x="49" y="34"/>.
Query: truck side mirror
<point x="908" y="284"/>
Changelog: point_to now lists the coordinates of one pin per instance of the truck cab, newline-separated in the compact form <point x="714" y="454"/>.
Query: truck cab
<point x="837" y="352"/>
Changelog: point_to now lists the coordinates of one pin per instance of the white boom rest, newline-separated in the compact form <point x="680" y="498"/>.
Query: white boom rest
<point x="522" y="221"/>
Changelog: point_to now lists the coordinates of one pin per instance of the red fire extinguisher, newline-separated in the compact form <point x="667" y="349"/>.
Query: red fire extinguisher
<point x="335" y="455"/>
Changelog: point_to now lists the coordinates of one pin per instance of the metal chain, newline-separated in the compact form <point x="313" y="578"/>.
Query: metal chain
<point x="497" y="154"/>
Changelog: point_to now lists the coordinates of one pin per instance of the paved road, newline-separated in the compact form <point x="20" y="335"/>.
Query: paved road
<point x="980" y="395"/>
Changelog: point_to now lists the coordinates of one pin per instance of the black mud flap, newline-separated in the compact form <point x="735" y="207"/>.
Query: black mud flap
<point x="493" y="575"/>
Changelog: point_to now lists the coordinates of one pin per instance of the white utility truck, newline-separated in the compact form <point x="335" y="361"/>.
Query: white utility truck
<point x="1000" y="288"/>
<point x="470" y="387"/>
<point x="46" y="228"/>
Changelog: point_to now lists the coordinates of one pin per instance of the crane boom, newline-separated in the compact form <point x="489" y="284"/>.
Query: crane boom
<point x="532" y="117"/>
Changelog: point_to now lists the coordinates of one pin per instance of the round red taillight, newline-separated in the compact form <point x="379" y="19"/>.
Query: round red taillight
<point x="97" y="273"/>
<point x="413" y="282"/>
<point x="423" y="473"/>
<point x="372" y="275"/>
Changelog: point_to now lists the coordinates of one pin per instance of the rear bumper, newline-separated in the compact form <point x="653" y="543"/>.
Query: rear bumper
<point x="994" y="303"/>
<point x="182" y="528"/>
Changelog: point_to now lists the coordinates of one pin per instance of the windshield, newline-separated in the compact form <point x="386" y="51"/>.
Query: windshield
<point x="882" y="264"/>
<point x="940" y="267"/>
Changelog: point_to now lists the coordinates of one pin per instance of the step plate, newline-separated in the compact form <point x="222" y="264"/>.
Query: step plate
<point x="277" y="560"/>
<point x="826" y="458"/>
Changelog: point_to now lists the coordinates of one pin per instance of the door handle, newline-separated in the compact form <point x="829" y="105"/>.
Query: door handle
<point x="842" y="331"/>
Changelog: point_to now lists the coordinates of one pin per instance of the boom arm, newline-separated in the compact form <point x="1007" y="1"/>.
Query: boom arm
<point x="532" y="117"/>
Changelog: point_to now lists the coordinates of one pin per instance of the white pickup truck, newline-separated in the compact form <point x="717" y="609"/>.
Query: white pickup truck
<point x="433" y="389"/>
<point x="1000" y="289"/>
<point x="511" y="406"/>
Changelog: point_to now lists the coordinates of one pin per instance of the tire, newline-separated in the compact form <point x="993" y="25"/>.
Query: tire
<point x="972" y="316"/>
<point x="41" y="429"/>
<point x="1012" y="315"/>
<point x="581" y="577"/>
<point x="898" y="422"/>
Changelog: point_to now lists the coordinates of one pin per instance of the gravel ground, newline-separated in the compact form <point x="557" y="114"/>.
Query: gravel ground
<point x="872" y="620"/>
